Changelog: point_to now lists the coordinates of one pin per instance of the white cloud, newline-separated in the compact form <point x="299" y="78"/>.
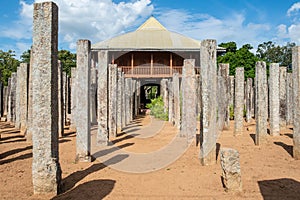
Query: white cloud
<point x="294" y="8"/>
<point x="204" y="26"/>
<point x="95" y="20"/>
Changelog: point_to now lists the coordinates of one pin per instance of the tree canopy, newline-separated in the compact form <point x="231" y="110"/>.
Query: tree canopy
<point x="8" y="64"/>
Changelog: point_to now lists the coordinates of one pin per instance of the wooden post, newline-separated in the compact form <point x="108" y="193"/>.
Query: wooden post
<point x="132" y="63"/>
<point x="151" y="64"/>
<point x="171" y="64"/>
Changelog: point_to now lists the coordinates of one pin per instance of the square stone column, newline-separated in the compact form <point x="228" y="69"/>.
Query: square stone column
<point x="261" y="108"/>
<point x="274" y="99"/>
<point x="208" y="120"/>
<point x="21" y="106"/>
<point x="11" y="113"/>
<point x="282" y="96"/>
<point x="296" y="86"/>
<point x="123" y="101"/>
<point x="223" y="96"/>
<point x="177" y="116"/>
<point x="189" y="119"/>
<point x="46" y="171"/>
<point x="119" y="100"/>
<point x="128" y="85"/>
<point x="93" y="95"/>
<point x="102" y="135"/>
<point x="164" y="93"/>
<point x="83" y="122"/>
<point x="112" y="99"/>
<point x="239" y="101"/>
<point x="60" y="101"/>
<point x="249" y="99"/>
<point x="171" y="102"/>
<point x="289" y="99"/>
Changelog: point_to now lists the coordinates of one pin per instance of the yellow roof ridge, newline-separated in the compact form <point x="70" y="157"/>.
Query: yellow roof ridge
<point x="151" y="24"/>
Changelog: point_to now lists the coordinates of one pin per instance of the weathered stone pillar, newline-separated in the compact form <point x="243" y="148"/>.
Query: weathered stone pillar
<point x="102" y="136"/>
<point x="208" y="123"/>
<point x="231" y="170"/>
<point x="112" y="99"/>
<point x="65" y="97"/>
<point x="134" y="98"/>
<point x="46" y="171"/>
<point x="30" y="104"/>
<point x="128" y="85"/>
<point x="223" y="96"/>
<point x="131" y="99"/>
<point x="189" y="119"/>
<point x="83" y="122"/>
<point x="123" y="101"/>
<point x="289" y="99"/>
<point x="261" y="109"/>
<point x="274" y="99"/>
<point x="74" y="86"/>
<point x="119" y="100"/>
<point x="5" y="101"/>
<point x="176" y="100"/>
<point x="249" y="98"/>
<point x="60" y="101"/>
<point x="231" y="92"/>
<point x="296" y="86"/>
<point x="198" y="95"/>
<point x="164" y="93"/>
<point x="21" y="106"/>
<point x="171" y="102"/>
<point x="11" y="114"/>
<point x="93" y="95"/>
<point x="282" y="96"/>
<point x="239" y="101"/>
<point x="138" y="97"/>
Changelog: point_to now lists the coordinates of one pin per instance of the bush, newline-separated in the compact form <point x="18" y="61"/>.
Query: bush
<point x="157" y="109"/>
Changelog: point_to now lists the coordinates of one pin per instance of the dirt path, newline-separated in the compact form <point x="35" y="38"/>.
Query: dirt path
<point x="268" y="171"/>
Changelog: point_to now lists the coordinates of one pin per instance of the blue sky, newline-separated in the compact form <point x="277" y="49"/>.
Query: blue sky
<point x="242" y="21"/>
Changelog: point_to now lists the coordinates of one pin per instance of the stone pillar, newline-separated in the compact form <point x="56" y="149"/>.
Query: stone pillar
<point x="128" y="85"/>
<point x="112" y="99"/>
<point x="22" y="85"/>
<point x="134" y="98"/>
<point x="282" y="96"/>
<point x="249" y="98"/>
<point x="231" y="91"/>
<point x="5" y="101"/>
<point x="17" y="103"/>
<point x="102" y="135"/>
<point x="189" y="119"/>
<point x="274" y="99"/>
<point x="239" y="101"/>
<point x="30" y="104"/>
<point x="223" y="96"/>
<point x="123" y="101"/>
<point x="46" y="171"/>
<point x="176" y="100"/>
<point x="198" y="96"/>
<point x="296" y="92"/>
<point x="289" y="99"/>
<point x="208" y="123"/>
<point x="1" y="98"/>
<point x="231" y="170"/>
<point x="171" y="102"/>
<point x="11" y="114"/>
<point x="131" y="99"/>
<point x="138" y="96"/>
<point x="261" y="109"/>
<point x="65" y="97"/>
<point x="164" y="93"/>
<point x="83" y="122"/>
<point x="93" y="95"/>
<point x="60" y="101"/>
<point x="119" y="100"/>
<point x="73" y="98"/>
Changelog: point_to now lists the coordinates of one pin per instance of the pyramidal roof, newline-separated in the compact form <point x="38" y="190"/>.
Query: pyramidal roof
<point x="151" y="35"/>
<point x="151" y="24"/>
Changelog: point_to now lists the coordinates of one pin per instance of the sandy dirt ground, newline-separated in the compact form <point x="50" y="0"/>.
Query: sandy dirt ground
<point x="268" y="171"/>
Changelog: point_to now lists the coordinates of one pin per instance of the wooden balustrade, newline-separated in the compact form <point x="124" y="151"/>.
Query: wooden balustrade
<point x="154" y="71"/>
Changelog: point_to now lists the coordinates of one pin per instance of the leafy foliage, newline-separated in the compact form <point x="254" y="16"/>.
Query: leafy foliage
<point x="8" y="64"/>
<point x="68" y="60"/>
<point x="242" y="57"/>
<point x="157" y="108"/>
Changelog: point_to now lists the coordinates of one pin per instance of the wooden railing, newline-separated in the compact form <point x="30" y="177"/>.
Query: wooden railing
<point x="154" y="71"/>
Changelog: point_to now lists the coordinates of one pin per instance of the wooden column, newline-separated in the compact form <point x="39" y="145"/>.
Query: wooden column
<point x="132" y="59"/>
<point x="171" y="64"/>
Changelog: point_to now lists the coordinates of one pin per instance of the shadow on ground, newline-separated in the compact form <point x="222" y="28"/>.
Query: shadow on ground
<point x="284" y="188"/>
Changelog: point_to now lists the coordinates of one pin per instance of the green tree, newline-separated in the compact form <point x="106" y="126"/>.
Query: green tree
<point x="8" y="64"/>
<point x="68" y="60"/>
<point x="25" y="57"/>
<point x="272" y="53"/>
<point x="242" y="57"/>
<point x="230" y="46"/>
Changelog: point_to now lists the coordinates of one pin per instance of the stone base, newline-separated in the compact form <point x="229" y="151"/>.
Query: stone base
<point x="80" y="158"/>
<point x="210" y="158"/>
<point x="3" y="119"/>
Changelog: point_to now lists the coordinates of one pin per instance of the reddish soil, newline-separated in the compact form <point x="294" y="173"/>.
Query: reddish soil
<point x="268" y="170"/>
